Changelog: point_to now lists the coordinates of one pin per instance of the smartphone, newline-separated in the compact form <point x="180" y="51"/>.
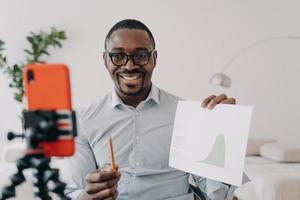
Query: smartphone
<point x="47" y="88"/>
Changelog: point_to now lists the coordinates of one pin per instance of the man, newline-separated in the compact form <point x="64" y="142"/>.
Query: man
<point x="139" y="118"/>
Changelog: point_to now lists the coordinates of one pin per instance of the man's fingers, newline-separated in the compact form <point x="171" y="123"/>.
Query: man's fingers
<point x="214" y="101"/>
<point x="229" y="101"/>
<point x="114" y="197"/>
<point x="100" y="176"/>
<point x="96" y="187"/>
<point x="107" y="193"/>
<point x="207" y="100"/>
<point x="108" y="168"/>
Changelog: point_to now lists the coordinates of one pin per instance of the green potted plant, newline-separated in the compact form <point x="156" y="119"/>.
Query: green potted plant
<point x="39" y="45"/>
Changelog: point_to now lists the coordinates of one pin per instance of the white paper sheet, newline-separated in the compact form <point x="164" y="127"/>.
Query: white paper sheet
<point x="211" y="143"/>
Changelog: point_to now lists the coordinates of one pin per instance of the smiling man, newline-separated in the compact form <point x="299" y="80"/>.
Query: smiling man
<point x="139" y="117"/>
<point x="132" y="59"/>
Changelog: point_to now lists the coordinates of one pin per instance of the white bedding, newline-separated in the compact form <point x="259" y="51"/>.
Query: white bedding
<point x="270" y="180"/>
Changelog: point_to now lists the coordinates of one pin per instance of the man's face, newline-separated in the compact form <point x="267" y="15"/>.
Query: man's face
<point x="130" y="79"/>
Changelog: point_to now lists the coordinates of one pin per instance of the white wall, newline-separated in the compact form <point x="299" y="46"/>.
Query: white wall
<point x="194" y="40"/>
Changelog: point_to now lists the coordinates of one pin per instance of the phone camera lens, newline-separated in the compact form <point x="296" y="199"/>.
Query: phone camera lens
<point x="30" y="76"/>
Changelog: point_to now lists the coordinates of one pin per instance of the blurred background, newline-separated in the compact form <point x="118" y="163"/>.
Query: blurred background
<point x="195" y="39"/>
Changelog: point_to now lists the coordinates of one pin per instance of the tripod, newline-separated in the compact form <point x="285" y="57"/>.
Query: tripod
<point x="43" y="174"/>
<point x="40" y="126"/>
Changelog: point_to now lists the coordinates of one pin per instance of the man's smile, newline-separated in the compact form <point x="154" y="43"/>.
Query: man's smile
<point x="131" y="76"/>
<point x="130" y="79"/>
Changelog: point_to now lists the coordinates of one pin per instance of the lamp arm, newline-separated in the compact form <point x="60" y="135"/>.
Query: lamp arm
<point x="257" y="43"/>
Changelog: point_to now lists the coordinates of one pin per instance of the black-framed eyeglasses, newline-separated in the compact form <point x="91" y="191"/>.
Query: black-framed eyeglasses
<point x="140" y="58"/>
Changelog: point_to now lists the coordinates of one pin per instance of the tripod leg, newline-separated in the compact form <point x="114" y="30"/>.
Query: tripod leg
<point x="16" y="179"/>
<point x="58" y="186"/>
<point x="40" y="165"/>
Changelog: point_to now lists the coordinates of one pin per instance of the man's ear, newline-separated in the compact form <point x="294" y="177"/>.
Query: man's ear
<point x="154" y="57"/>
<point x="104" y="56"/>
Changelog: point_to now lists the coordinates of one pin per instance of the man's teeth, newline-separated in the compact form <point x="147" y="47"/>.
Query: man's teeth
<point x="130" y="77"/>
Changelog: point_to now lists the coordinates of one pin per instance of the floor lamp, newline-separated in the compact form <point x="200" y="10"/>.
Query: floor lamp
<point x="223" y="80"/>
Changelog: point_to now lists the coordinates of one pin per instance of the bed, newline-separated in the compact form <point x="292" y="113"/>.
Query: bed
<point x="270" y="180"/>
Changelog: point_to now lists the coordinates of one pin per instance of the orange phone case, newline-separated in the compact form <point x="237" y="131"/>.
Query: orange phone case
<point x="47" y="87"/>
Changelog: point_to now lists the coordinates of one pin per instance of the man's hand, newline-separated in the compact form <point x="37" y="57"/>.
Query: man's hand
<point x="211" y="101"/>
<point x="101" y="184"/>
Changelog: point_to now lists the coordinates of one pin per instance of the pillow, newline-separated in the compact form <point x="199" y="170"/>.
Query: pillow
<point x="280" y="152"/>
<point x="254" y="145"/>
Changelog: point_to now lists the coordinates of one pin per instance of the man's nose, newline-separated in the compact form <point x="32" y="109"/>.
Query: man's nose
<point x="130" y="65"/>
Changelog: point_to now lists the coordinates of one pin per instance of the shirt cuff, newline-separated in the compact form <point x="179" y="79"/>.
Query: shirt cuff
<point x="230" y="193"/>
<point x="213" y="186"/>
<point x="74" y="195"/>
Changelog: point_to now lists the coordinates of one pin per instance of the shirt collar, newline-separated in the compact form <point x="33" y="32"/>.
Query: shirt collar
<point x="153" y="95"/>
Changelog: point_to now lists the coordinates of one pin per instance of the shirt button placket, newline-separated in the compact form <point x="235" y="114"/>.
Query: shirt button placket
<point x="136" y="140"/>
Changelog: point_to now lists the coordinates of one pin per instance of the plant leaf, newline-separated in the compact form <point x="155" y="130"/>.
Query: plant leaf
<point x="29" y="52"/>
<point x="45" y="52"/>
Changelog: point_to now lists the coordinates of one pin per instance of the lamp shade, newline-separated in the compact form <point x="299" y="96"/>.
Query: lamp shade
<point x="220" y="79"/>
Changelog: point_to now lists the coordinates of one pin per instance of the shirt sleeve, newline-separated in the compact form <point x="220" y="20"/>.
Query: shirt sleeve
<point x="214" y="190"/>
<point x="75" y="168"/>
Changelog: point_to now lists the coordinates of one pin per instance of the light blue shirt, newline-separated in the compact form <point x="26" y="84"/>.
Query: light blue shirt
<point x="141" y="138"/>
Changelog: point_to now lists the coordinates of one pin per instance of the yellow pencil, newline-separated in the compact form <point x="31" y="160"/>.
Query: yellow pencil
<point x="112" y="155"/>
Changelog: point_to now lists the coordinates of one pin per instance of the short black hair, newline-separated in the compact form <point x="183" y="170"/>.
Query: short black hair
<point x="130" y="24"/>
